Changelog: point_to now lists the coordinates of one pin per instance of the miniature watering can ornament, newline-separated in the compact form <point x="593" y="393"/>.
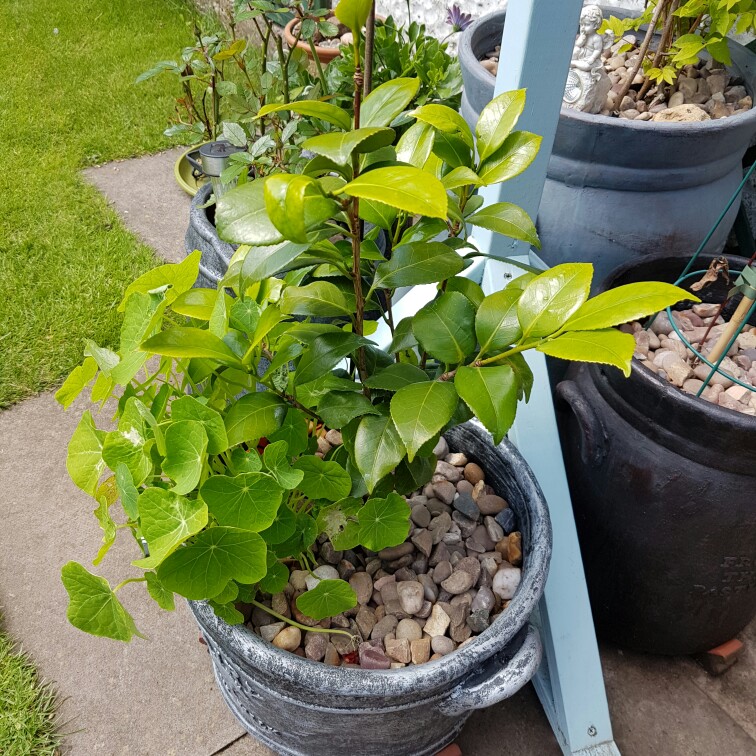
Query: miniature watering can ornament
<point x="587" y="82"/>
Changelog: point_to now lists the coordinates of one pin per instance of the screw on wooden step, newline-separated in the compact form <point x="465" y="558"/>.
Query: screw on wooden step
<point x="718" y="660"/>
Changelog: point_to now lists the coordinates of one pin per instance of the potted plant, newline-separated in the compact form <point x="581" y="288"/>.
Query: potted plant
<point x="669" y="565"/>
<point x="285" y="508"/>
<point x="618" y="188"/>
<point x="317" y="33"/>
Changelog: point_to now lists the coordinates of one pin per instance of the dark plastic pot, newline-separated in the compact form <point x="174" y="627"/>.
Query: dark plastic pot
<point x="664" y="492"/>
<point x="305" y="708"/>
<point x="618" y="189"/>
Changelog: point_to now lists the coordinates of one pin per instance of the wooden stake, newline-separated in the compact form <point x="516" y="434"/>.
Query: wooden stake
<point x="736" y="321"/>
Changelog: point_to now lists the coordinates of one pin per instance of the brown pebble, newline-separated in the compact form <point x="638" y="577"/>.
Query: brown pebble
<point x="420" y="650"/>
<point x="474" y="473"/>
<point x="288" y="639"/>
<point x="490" y="504"/>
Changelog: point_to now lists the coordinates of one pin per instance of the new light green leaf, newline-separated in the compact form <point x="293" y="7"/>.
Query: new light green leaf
<point x="319" y="298"/>
<point x="339" y="146"/>
<point x="78" y="379"/>
<point x="84" y="461"/>
<point x="253" y="417"/>
<point x="608" y="346"/>
<point x="378" y="448"/>
<point x="183" y="342"/>
<point x="186" y="448"/>
<point x="460" y="176"/>
<point x="241" y="216"/>
<point x="552" y="297"/>
<point x="295" y="204"/>
<point x="421" y="410"/>
<point x="277" y="462"/>
<point x="445" y="119"/>
<point x="162" y="596"/>
<point x="626" y="303"/>
<point x="93" y="607"/>
<point x="353" y="13"/>
<point x="248" y="501"/>
<point x="496" y="322"/>
<point x="403" y="187"/>
<point x="323" y="480"/>
<point x="508" y="220"/>
<point x="387" y="101"/>
<point x="337" y="408"/>
<point x="127" y="491"/>
<point x="416" y="144"/>
<point x="491" y="393"/>
<point x="327" y="599"/>
<point x="384" y="522"/>
<point x="315" y="109"/>
<point x="497" y="119"/>
<point x="294" y="431"/>
<point x="265" y="261"/>
<point x="167" y="520"/>
<point x="445" y="327"/>
<point x="516" y="153"/>
<point x="178" y="277"/>
<point x="189" y="408"/>
<point x="415" y="264"/>
<point x="130" y="447"/>
<point x="195" y="303"/>
<point x="202" y="569"/>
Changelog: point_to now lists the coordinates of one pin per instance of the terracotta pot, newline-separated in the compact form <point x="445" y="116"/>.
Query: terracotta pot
<point x="325" y="54"/>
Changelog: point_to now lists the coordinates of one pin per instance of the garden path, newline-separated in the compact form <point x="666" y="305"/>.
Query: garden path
<point x="158" y="697"/>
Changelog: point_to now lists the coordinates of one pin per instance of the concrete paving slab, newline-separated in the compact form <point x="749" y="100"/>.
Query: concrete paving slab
<point x="145" y="194"/>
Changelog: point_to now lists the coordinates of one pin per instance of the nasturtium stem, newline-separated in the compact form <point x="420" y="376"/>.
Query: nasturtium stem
<point x="289" y="621"/>
<point x="127" y="581"/>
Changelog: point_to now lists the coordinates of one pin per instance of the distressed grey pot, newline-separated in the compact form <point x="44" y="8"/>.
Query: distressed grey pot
<point x="201" y="235"/>
<point x="305" y="708"/>
<point x="620" y="189"/>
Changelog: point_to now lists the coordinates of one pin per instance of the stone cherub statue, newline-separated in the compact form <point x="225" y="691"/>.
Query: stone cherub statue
<point x="587" y="82"/>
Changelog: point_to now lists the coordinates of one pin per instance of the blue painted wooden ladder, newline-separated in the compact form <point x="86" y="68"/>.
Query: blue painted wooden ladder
<point x="536" y="47"/>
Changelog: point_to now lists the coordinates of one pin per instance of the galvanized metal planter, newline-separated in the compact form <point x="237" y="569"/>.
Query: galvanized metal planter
<point x="304" y="708"/>
<point x="619" y="189"/>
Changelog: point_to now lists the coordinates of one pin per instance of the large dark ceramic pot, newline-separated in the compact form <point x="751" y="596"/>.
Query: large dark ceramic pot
<point x="664" y="492"/>
<point x="619" y="189"/>
<point x="306" y="708"/>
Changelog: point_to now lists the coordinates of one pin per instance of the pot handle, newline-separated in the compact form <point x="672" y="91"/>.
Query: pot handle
<point x="502" y="679"/>
<point x="594" y="446"/>
<point x="191" y="158"/>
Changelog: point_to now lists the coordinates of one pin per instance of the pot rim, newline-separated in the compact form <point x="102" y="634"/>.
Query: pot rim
<point x="432" y="674"/>
<point x="683" y="129"/>
<point x="325" y="52"/>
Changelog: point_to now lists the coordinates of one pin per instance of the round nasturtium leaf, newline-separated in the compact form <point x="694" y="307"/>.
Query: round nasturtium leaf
<point x="384" y="522"/>
<point x="327" y="599"/>
<point x="249" y="501"/>
<point x="323" y="480"/>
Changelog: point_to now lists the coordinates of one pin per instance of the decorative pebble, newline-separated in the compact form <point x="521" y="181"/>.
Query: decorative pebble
<point x="464" y="503"/>
<point x="315" y="646"/>
<point x="362" y="584"/>
<point x="372" y="657"/>
<point x="438" y="621"/>
<point x="491" y="504"/>
<point x="268" y="632"/>
<point x="288" y="639"/>
<point x="411" y="596"/>
<point x="442" y="645"/>
<point x="324" y="572"/>
<point x="420" y="650"/>
<point x="398" y="649"/>
<point x="387" y="625"/>
<point x="506" y="580"/>
<point x="458" y="582"/>
<point x="409" y="629"/>
<point x="506" y="518"/>
<point x="473" y="473"/>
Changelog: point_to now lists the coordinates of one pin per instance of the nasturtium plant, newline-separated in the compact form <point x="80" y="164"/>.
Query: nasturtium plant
<point x="213" y="461"/>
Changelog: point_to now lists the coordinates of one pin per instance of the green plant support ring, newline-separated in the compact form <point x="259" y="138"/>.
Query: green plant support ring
<point x="184" y="172"/>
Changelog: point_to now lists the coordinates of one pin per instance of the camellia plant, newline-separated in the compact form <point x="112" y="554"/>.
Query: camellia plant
<point x="221" y="483"/>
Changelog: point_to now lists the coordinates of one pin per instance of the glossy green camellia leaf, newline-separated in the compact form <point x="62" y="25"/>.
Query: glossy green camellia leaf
<point x="203" y="568"/>
<point x="445" y="327"/>
<point x="626" y="303"/>
<point x="295" y="203"/>
<point x="387" y="101"/>
<point x="276" y="457"/>
<point x="185" y="342"/>
<point x="410" y="476"/>
<point x="78" y="379"/>
<point x="253" y="417"/>
<point x="167" y="520"/>
<point x="324" y="353"/>
<point x="444" y="119"/>
<point x="265" y="261"/>
<point x="404" y="337"/>
<point x="419" y="263"/>
<point x="327" y="599"/>
<point x="491" y="393"/>
<point x="177" y="277"/>
<point x="452" y="150"/>
<point x="319" y="298"/>
<point x="189" y="408"/>
<point x="378" y="213"/>
<point x="337" y="408"/>
<point x="241" y="217"/>
<point x="353" y="13"/>
<point x="403" y="187"/>
<point x="339" y="146"/>
<point x="248" y="501"/>
<point x="522" y="372"/>
<point x="467" y="287"/>
<point x="497" y="119"/>
<point x="508" y="220"/>
<point x="496" y="322"/>
<point x="460" y="176"/>
<point x="552" y="297"/>
<point x="384" y="522"/>
<point x="162" y="596"/>
<point x="127" y="491"/>
<point x="378" y="448"/>
<point x="607" y="346"/>
<point x="416" y="144"/>
<point x="84" y="461"/>
<point x="196" y="303"/>
<point x="421" y="410"/>
<point x="396" y="377"/>
<point x="516" y="153"/>
<point x="93" y="607"/>
<point x="313" y="108"/>
<point x="186" y="448"/>
<point x="323" y="480"/>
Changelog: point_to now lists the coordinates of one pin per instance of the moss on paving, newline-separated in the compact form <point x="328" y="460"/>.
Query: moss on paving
<point x="68" y="100"/>
<point x="27" y="707"/>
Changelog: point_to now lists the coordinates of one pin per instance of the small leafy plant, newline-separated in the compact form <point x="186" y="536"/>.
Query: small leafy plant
<point x="221" y="484"/>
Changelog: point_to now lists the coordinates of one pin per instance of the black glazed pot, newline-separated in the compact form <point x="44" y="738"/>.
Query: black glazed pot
<point x="304" y="708"/>
<point x="664" y="493"/>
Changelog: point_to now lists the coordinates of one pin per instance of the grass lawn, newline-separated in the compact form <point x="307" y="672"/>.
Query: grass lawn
<point x="27" y="707"/>
<point x="69" y="100"/>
